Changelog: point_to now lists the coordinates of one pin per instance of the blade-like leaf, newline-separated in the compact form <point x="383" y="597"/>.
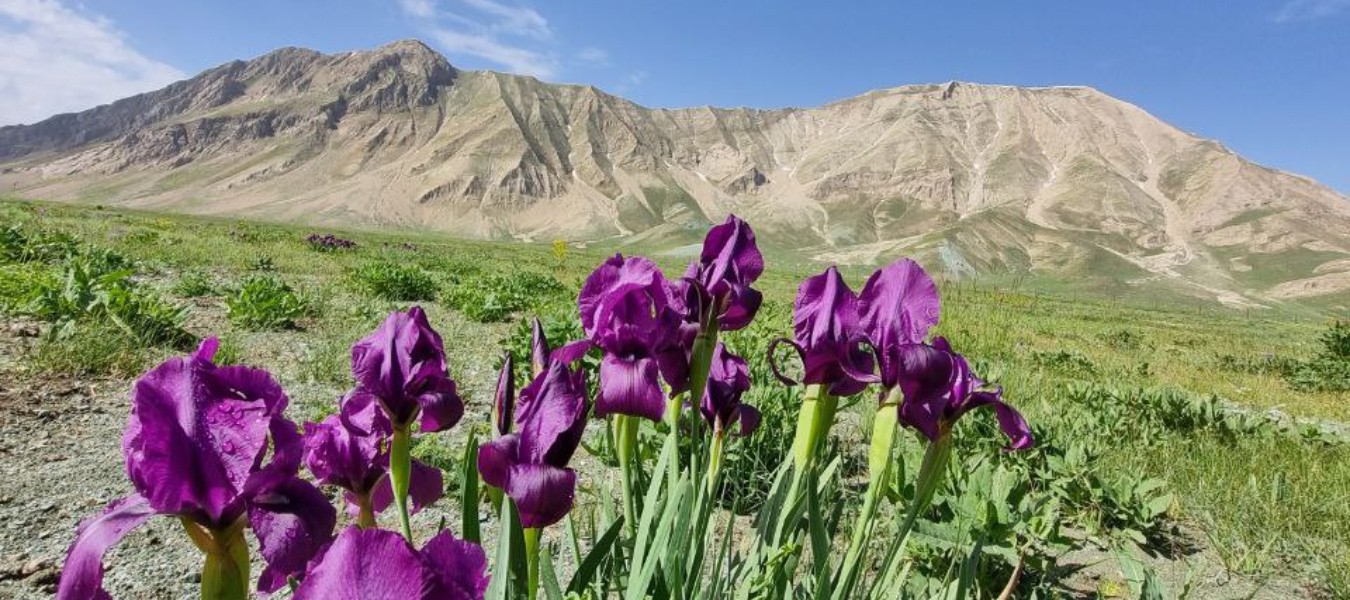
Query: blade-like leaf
<point x="587" y="567"/>
<point x="469" y="491"/>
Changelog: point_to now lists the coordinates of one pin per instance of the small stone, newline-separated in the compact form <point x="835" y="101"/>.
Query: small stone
<point x="33" y="566"/>
<point x="23" y="330"/>
<point x="44" y="577"/>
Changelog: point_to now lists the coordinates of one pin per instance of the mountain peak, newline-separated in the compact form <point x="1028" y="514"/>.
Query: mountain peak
<point x="968" y="178"/>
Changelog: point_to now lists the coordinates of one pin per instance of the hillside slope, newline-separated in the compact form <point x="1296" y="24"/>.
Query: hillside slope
<point x="973" y="179"/>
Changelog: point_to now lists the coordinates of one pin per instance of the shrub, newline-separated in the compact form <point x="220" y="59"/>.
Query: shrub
<point x="18" y="283"/>
<point x="194" y="284"/>
<point x="495" y="298"/>
<point x="91" y="348"/>
<point x="392" y="281"/>
<point x="264" y="264"/>
<point x="328" y="243"/>
<point x="19" y="244"/>
<point x="87" y="292"/>
<point x="1069" y="362"/>
<point x="264" y="302"/>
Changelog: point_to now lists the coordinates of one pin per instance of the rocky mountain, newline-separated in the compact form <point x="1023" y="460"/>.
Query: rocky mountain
<point x="975" y="180"/>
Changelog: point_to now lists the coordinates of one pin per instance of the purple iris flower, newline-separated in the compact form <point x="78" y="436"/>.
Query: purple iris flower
<point x="209" y="445"/>
<point x="353" y="453"/>
<point x="402" y="365"/>
<point x="939" y="388"/>
<point x="623" y="308"/>
<point x="722" y="276"/>
<point x="374" y="564"/>
<point x="530" y="465"/>
<point x="899" y="304"/>
<point x="828" y="337"/>
<point x="728" y="379"/>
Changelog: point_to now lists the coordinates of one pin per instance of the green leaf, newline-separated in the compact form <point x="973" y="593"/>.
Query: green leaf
<point x="499" y="588"/>
<point x="469" y="491"/>
<point x="548" y="578"/>
<point x="1160" y="505"/>
<point x="586" y="570"/>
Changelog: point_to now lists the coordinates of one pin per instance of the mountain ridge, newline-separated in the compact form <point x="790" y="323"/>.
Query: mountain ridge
<point x="973" y="179"/>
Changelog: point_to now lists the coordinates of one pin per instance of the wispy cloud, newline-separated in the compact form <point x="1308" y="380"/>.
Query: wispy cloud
<point x="513" y="37"/>
<point x="56" y="59"/>
<point x="593" y="56"/>
<point x="1308" y="10"/>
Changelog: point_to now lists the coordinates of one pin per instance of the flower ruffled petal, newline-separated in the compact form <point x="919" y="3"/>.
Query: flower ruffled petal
<point x="543" y="493"/>
<point x="495" y="459"/>
<point x="82" y="574"/>
<point x="456" y="569"/>
<point x="630" y="387"/>
<point x="366" y="564"/>
<point x="292" y="521"/>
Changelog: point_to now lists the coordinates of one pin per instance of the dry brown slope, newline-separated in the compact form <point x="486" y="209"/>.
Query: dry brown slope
<point x="973" y="178"/>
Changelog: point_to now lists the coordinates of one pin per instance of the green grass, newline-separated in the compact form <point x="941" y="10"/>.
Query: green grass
<point x="1268" y="503"/>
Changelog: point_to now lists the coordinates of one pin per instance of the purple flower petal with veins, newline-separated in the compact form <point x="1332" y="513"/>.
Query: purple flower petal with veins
<point x="728" y="379"/>
<point x="827" y="334"/>
<point x="718" y="283"/>
<point x="531" y="464"/>
<point x="939" y="388"/>
<point x="898" y="305"/>
<point x="402" y="364"/>
<point x="373" y="564"/>
<point x="623" y="308"/>
<point x="208" y="444"/>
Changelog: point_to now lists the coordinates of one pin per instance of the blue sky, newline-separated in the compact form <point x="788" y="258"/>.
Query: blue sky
<point x="1269" y="79"/>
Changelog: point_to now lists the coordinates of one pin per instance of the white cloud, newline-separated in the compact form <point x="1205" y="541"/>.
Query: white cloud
<point x="419" y="8"/>
<point x="55" y="59"/>
<point x="593" y="56"/>
<point x="515" y="20"/>
<point x="514" y="58"/>
<point x="637" y="77"/>
<point x="1308" y="10"/>
<point x="513" y="37"/>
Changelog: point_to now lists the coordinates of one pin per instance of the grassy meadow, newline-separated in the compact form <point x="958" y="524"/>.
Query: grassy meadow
<point x="1174" y="441"/>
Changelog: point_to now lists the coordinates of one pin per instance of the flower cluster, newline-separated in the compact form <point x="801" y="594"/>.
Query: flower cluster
<point x="328" y="242"/>
<point x="210" y="445"/>
<point x="843" y="337"/>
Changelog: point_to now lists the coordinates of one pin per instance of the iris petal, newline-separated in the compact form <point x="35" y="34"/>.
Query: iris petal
<point x="366" y="564"/>
<point x="292" y="521"/>
<point x="82" y="574"/>
<point x="630" y="386"/>
<point x="543" y="493"/>
<point x="495" y="459"/>
<point x="426" y="485"/>
<point x="456" y="569"/>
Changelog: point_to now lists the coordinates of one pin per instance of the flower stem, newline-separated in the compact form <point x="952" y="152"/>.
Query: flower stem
<point x="400" y="470"/>
<point x="814" y="419"/>
<point x="699" y="364"/>
<point x="225" y="575"/>
<point x="627" y="430"/>
<point x="365" y="518"/>
<point x="931" y="472"/>
<point x="884" y="427"/>
<point x="532" y="560"/>
<point x="715" y="462"/>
